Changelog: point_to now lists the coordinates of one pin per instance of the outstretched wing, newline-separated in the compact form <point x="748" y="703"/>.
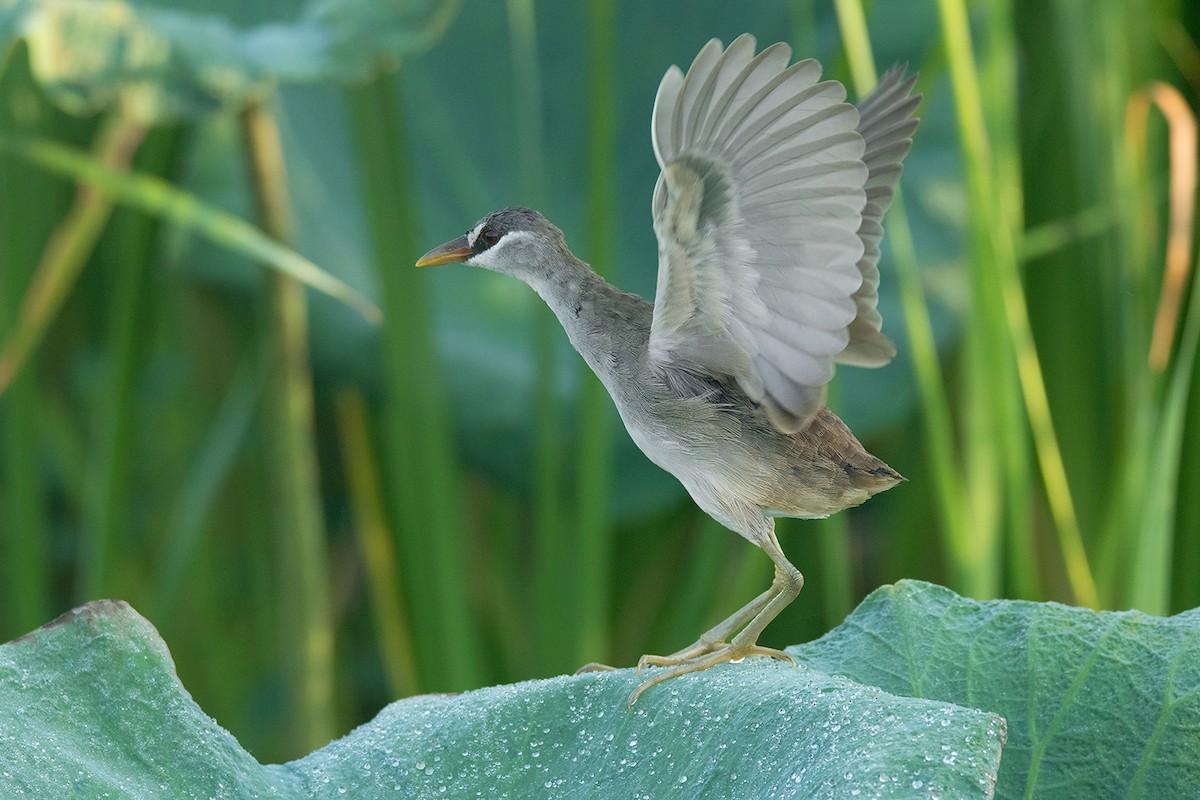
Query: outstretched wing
<point x="758" y="214"/>
<point x="886" y="124"/>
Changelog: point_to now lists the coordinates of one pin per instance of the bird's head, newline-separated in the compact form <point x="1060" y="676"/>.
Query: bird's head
<point x="511" y="240"/>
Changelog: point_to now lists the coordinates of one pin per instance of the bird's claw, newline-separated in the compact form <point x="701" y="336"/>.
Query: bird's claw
<point x="686" y="661"/>
<point x="700" y="648"/>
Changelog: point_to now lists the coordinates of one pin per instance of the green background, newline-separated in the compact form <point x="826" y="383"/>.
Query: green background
<point x="515" y="531"/>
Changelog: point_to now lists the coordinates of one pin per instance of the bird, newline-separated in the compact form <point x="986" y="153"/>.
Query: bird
<point x="768" y="214"/>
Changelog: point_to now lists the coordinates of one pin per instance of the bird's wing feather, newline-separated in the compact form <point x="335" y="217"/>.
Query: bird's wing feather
<point x="886" y="125"/>
<point x="758" y="213"/>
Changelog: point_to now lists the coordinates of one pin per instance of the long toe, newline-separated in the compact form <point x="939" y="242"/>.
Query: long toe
<point x="720" y="654"/>
<point x="683" y="656"/>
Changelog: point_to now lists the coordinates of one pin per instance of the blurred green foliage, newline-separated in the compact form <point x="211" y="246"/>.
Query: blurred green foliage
<point x="483" y="517"/>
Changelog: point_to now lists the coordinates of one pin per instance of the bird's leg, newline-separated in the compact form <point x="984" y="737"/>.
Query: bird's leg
<point x="752" y="619"/>
<point x="715" y="637"/>
<point x="790" y="582"/>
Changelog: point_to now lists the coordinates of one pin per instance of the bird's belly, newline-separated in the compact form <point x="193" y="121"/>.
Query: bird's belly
<point x="720" y="475"/>
<point x="712" y="464"/>
<point x="736" y="473"/>
<point x="664" y="450"/>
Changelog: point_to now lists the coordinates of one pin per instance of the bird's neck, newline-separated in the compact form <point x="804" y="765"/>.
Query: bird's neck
<point x="608" y="327"/>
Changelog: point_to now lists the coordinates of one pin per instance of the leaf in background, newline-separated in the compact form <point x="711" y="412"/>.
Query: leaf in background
<point x="1099" y="704"/>
<point x="90" y="704"/>
<point x="163" y="61"/>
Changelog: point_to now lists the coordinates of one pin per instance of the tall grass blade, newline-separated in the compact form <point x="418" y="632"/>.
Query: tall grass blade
<point x="1077" y="294"/>
<point x="703" y="550"/>
<point x="1016" y="539"/>
<point x="852" y="21"/>
<point x="70" y="247"/>
<point x="24" y="564"/>
<point x="375" y="544"/>
<point x="1150" y="570"/>
<point x="994" y="427"/>
<point x="994" y="226"/>
<point x="504" y="599"/>
<point x="130" y="245"/>
<point x="300" y="532"/>
<point x="1186" y="562"/>
<point x="1153" y="470"/>
<point x="1050" y="238"/>
<point x="1181" y="124"/>
<point x="557" y="567"/>
<point x="158" y="197"/>
<point x="419" y="443"/>
<point x="937" y="424"/>
<point x="974" y="575"/>
<point x="593" y="517"/>
<point x="199" y="491"/>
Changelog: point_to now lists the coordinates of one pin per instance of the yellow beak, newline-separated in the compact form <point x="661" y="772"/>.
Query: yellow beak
<point x="449" y="253"/>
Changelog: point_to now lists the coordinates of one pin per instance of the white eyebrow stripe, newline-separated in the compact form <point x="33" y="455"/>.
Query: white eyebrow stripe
<point x="471" y="234"/>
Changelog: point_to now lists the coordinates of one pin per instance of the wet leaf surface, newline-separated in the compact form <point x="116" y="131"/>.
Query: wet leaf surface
<point x="90" y="704"/>
<point x="1098" y="703"/>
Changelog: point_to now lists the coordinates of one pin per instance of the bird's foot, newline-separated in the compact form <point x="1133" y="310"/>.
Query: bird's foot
<point x="705" y="647"/>
<point x="699" y="657"/>
<point x="700" y="648"/>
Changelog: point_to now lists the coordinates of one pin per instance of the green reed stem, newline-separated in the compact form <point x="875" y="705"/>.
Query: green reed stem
<point x="201" y="488"/>
<point x="557" y="567"/>
<point x="1152" y="508"/>
<point x="69" y="248"/>
<point x="835" y="582"/>
<point x="419" y="443"/>
<point x="375" y="544"/>
<point x="994" y="226"/>
<point x="131" y="247"/>
<point x="24" y="567"/>
<point x="852" y="20"/>
<point x="975" y="575"/>
<point x="593" y="525"/>
<point x="301" y="539"/>
<point x="158" y="197"/>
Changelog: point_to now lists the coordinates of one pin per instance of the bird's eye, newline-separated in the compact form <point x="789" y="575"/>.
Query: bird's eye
<point x="489" y="237"/>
